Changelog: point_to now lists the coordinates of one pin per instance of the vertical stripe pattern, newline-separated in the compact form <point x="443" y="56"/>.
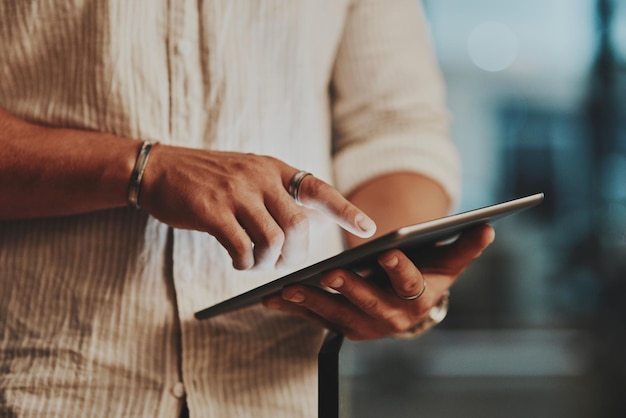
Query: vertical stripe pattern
<point x="96" y="311"/>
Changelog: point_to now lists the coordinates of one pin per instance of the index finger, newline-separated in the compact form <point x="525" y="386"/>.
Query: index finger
<point x="317" y="194"/>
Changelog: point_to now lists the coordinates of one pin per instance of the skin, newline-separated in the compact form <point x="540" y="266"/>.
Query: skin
<point x="242" y="200"/>
<point x="362" y="310"/>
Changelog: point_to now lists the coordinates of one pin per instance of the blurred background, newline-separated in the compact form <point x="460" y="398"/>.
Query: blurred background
<point x="537" y="327"/>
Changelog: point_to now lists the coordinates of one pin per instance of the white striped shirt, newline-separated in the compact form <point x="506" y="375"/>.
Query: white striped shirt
<point x="96" y="310"/>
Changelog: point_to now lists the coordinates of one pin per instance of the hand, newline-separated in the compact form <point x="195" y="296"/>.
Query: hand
<point x="362" y="310"/>
<point x="242" y="200"/>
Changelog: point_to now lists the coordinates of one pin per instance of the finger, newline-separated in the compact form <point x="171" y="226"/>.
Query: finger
<point x="365" y="332"/>
<point x="278" y="303"/>
<point x="333" y="311"/>
<point x="265" y="233"/>
<point x="452" y="259"/>
<point x="319" y="195"/>
<point x="333" y="308"/>
<point x="408" y="282"/>
<point x="373" y="300"/>
<point x="363" y="294"/>
<point x="295" y="226"/>
<point x="235" y="240"/>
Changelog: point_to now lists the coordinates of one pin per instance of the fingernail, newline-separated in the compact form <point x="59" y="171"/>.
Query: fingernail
<point x="365" y="223"/>
<point x="392" y="262"/>
<point x="335" y="283"/>
<point x="293" y="296"/>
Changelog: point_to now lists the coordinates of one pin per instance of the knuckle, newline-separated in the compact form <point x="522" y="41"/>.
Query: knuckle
<point x="226" y="185"/>
<point x="277" y="239"/>
<point x="253" y="166"/>
<point x="398" y="323"/>
<point x="297" y="223"/>
<point x="421" y="309"/>
<point x="239" y="249"/>
<point x="273" y="237"/>
<point x="370" y="304"/>
<point x="411" y="287"/>
<point x="347" y="211"/>
<point x="268" y="160"/>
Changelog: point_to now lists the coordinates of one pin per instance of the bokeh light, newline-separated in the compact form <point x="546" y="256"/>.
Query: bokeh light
<point x="492" y="46"/>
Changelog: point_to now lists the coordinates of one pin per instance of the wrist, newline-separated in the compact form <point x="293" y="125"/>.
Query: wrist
<point x="139" y="167"/>
<point x="436" y="314"/>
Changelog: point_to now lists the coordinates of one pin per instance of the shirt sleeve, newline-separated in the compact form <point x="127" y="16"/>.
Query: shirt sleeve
<point x="388" y="99"/>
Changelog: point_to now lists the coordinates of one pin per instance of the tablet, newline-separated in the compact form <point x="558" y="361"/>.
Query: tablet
<point x="364" y="256"/>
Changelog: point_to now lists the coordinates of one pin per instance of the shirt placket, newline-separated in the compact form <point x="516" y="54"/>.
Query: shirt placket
<point x="185" y="73"/>
<point x="185" y="125"/>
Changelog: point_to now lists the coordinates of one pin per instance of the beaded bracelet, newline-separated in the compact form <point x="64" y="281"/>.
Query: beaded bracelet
<point x="137" y="174"/>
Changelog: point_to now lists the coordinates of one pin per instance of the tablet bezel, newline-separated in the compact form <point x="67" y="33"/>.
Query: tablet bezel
<point x="425" y="233"/>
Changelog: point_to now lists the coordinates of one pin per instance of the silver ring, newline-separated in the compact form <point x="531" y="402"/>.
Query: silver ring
<point x="421" y="292"/>
<point x="294" y="184"/>
<point x="436" y="314"/>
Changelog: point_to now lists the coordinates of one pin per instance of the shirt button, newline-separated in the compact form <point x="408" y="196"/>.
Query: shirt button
<point x="178" y="390"/>
<point x="184" y="47"/>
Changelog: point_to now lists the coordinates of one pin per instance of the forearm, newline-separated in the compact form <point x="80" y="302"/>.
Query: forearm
<point x="239" y="198"/>
<point x="397" y="200"/>
<point x="47" y="172"/>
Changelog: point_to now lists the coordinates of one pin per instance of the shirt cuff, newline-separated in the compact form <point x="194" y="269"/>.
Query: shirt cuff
<point x="435" y="158"/>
